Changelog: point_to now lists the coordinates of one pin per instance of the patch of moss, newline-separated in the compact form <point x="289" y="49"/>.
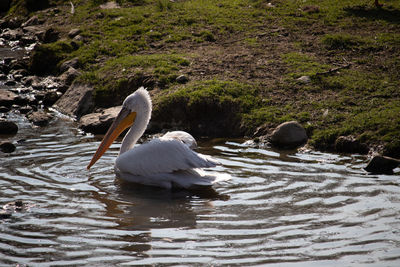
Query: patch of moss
<point x="119" y="77"/>
<point x="46" y="57"/>
<point x="212" y="108"/>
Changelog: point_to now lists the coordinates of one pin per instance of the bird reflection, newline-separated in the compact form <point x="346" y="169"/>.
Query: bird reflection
<point x="141" y="208"/>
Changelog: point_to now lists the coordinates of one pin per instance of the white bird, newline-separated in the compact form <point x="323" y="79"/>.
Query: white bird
<point x="164" y="162"/>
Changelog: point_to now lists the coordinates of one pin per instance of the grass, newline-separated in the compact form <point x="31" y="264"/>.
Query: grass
<point x="243" y="58"/>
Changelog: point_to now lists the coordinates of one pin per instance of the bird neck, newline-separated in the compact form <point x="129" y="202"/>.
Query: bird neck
<point x="137" y="129"/>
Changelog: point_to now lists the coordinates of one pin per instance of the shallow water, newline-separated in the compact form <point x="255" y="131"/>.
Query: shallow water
<point x="285" y="209"/>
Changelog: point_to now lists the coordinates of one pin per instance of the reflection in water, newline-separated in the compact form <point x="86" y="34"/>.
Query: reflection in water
<point x="284" y="208"/>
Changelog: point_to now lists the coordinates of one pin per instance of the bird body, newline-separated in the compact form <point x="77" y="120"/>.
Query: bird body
<point x="165" y="162"/>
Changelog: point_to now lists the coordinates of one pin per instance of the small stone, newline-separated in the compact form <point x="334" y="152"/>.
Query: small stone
<point x="25" y="109"/>
<point x="382" y="165"/>
<point x="4" y="109"/>
<point x="39" y="118"/>
<point x="289" y="135"/>
<point x="349" y="144"/>
<point x="110" y="5"/>
<point x="182" y="79"/>
<point x="304" y="79"/>
<point x="74" y="32"/>
<point x="4" y="214"/>
<point x="8" y="127"/>
<point x="10" y="83"/>
<point x="7" y="147"/>
<point x="72" y="63"/>
<point x="50" y="98"/>
<point x="32" y="21"/>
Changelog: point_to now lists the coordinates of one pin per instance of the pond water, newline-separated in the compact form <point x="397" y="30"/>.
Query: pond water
<point x="279" y="209"/>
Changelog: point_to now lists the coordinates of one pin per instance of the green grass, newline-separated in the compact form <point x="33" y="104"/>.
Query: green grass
<point x="142" y="43"/>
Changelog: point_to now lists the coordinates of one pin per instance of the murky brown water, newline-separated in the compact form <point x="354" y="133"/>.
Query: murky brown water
<point x="296" y="209"/>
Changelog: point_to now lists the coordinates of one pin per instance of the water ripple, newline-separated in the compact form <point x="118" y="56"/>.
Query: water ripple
<point x="289" y="209"/>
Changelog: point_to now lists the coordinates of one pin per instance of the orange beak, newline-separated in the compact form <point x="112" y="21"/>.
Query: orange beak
<point x="124" y="120"/>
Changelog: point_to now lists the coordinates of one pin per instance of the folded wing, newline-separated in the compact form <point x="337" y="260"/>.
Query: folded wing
<point x="161" y="156"/>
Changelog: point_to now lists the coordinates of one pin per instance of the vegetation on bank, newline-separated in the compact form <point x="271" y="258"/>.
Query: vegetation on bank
<point x="244" y="59"/>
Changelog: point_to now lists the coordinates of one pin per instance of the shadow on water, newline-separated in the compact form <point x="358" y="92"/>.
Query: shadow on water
<point x="387" y="13"/>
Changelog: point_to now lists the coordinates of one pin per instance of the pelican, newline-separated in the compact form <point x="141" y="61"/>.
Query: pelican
<point x="166" y="162"/>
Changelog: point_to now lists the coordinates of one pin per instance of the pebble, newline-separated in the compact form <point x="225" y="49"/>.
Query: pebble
<point x="7" y="147"/>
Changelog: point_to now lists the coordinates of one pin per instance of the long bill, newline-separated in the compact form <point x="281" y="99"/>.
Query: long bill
<point x="124" y="119"/>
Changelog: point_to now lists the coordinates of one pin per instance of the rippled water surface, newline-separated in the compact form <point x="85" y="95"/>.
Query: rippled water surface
<point x="286" y="209"/>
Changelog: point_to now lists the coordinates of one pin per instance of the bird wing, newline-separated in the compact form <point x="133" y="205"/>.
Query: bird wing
<point x="161" y="156"/>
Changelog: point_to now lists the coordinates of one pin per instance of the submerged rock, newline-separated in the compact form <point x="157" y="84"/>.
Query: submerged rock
<point x="7" y="147"/>
<point x="8" y="127"/>
<point x="289" y="135"/>
<point x="98" y="123"/>
<point x="382" y="165"/>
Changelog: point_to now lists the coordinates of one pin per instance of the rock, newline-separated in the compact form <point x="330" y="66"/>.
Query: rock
<point x="74" y="32"/>
<point x="7" y="98"/>
<point x="78" y="38"/>
<point x="8" y="127"/>
<point x="4" y="109"/>
<point x="68" y="77"/>
<point x="50" y="98"/>
<point x="349" y="144"/>
<point x="14" y="23"/>
<point x="304" y="79"/>
<point x="4" y="214"/>
<point x="7" y="147"/>
<point x="110" y="5"/>
<point x="182" y="79"/>
<point x="76" y="101"/>
<point x="39" y="118"/>
<point x="98" y="123"/>
<point x="72" y="63"/>
<point x="289" y="135"/>
<point x="12" y="35"/>
<point x="50" y="36"/>
<point x="382" y="165"/>
<point x="25" y="109"/>
<point x="10" y="83"/>
<point x="30" y="22"/>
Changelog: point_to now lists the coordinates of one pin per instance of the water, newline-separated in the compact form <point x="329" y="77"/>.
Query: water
<point x="279" y="209"/>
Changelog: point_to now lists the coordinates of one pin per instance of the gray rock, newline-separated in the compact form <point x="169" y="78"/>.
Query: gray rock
<point x="349" y="144"/>
<point x="72" y="63"/>
<point x="39" y="118"/>
<point x="182" y="79"/>
<point x="8" y="127"/>
<point x="289" y="135"/>
<point x="50" y="98"/>
<point x="78" y="38"/>
<point x="7" y="98"/>
<point x="12" y="35"/>
<point x="76" y="101"/>
<point x="34" y="20"/>
<point x="67" y="78"/>
<point x="304" y="79"/>
<point x="98" y="123"/>
<point x="382" y="165"/>
<point x="4" y="109"/>
<point x="7" y="147"/>
<point x="50" y="36"/>
<point x="74" y="32"/>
